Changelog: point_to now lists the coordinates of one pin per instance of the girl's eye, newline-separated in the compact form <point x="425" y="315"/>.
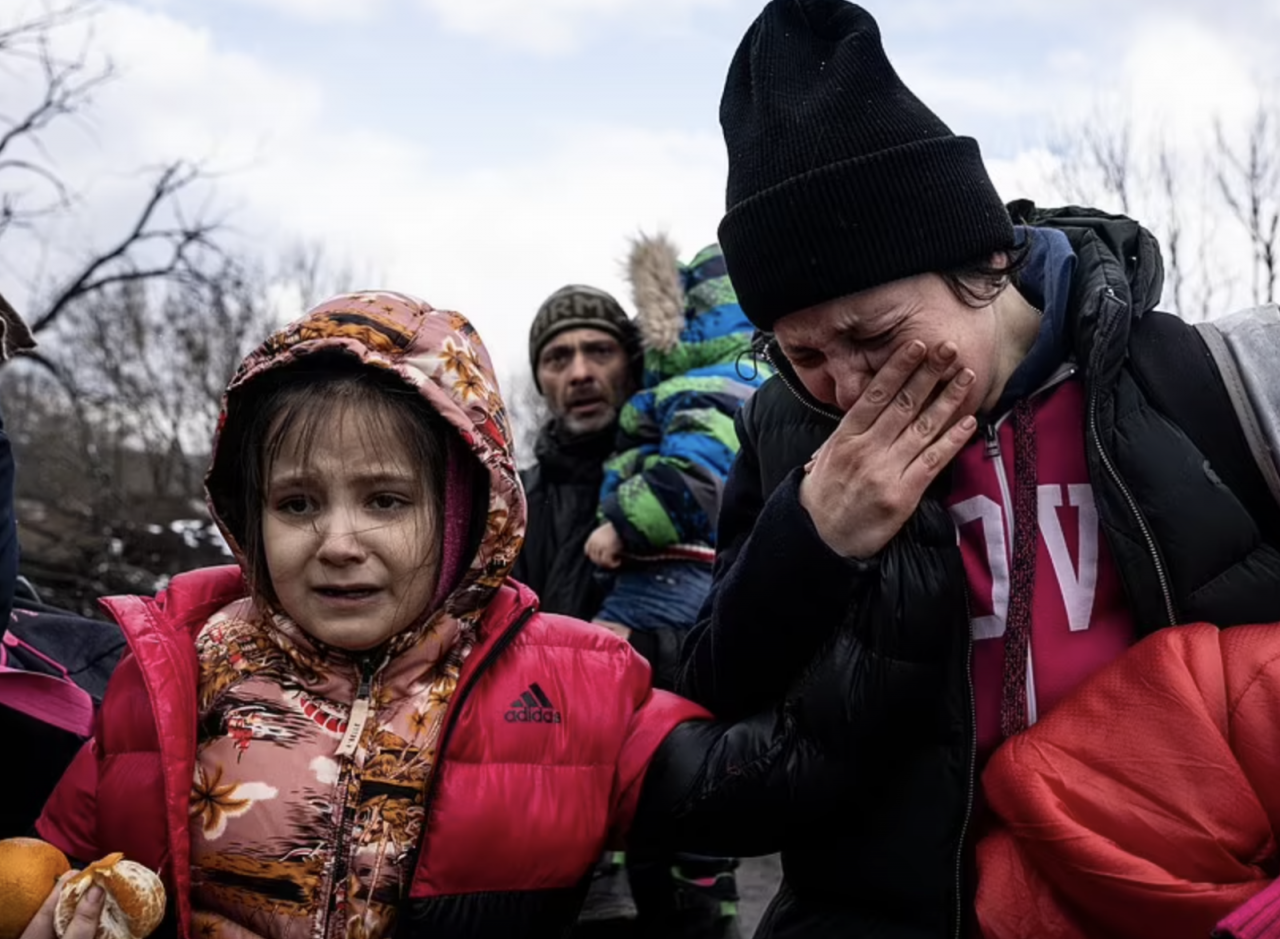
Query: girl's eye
<point x="388" y="501"/>
<point x="294" y="505"/>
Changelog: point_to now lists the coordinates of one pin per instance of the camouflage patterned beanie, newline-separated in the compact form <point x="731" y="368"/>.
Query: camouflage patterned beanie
<point x="580" y="307"/>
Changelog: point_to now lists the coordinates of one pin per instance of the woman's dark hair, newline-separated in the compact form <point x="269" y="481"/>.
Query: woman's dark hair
<point x="292" y="404"/>
<point x="978" y="283"/>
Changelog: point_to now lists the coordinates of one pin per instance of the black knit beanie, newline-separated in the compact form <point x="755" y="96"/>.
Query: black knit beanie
<point x="840" y="179"/>
<point x="580" y="307"/>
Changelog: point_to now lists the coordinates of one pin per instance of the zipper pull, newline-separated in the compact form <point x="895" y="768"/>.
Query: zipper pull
<point x="993" y="441"/>
<point x="361" y="709"/>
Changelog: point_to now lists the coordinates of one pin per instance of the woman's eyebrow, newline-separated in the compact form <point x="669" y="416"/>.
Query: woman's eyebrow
<point x="869" y="322"/>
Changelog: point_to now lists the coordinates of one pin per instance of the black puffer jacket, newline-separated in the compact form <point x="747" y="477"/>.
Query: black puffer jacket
<point x="1187" y="518"/>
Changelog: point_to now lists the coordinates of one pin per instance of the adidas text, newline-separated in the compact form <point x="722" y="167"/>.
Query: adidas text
<point x="533" y="707"/>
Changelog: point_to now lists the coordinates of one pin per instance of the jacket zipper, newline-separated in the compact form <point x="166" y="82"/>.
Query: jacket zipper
<point x="991" y="429"/>
<point x="1132" y="503"/>
<point x="361" y="709"/>
<point x="455" y="711"/>
<point x="784" y="374"/>
<point x="992" y="434"/>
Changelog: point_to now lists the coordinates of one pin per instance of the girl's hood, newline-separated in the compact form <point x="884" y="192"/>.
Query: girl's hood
<point x="440" y="354"/>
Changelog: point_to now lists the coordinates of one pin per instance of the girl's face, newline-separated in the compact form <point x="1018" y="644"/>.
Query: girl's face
<point x="349" y="533"/>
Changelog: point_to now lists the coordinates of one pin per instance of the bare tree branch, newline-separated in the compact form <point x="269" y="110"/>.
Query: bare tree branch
<point x="40" y="24"/>
<point x="66" y="88"/>
<point x="114" y="413"/>
<point x="1171" y="191"/>
<point x="39" y="358"/>
<point x="118" y="265"/>
<point x="1248" y="179"/>
<point x="1232" y="180"/>
<point x="528" y="412"/>
<point x="1096" y="158"/>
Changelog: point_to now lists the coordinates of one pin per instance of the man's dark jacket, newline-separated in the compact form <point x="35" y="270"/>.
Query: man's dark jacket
<point x="886" y="847"/>
<point x="563" y="493"/>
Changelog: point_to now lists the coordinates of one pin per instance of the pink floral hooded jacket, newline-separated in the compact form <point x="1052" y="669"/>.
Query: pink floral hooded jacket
<point x="459" y="782"/>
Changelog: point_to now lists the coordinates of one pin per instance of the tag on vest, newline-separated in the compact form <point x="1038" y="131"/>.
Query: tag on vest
<point x="360" y="711"/>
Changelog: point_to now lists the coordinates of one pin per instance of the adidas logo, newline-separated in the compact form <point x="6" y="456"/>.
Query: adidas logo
<point x="533" y="707"/>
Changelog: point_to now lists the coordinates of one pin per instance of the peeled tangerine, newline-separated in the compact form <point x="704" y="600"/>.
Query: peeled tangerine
<point x="29" y="869"/>
<point x="134" y="903"/>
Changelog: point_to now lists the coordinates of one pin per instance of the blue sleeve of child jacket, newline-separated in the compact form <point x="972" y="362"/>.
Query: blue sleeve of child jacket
<point x="665" y="489"/>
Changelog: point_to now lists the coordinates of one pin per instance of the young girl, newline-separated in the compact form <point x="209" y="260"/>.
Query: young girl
<point x="364" y="726"/>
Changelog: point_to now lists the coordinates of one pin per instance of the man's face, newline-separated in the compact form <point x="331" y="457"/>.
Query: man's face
<point x="585" y="378"/>
<point x="838" y="346"/>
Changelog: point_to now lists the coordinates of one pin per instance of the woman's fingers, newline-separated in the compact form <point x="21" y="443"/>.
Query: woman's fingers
<point x="940" y="414"/>
<point x="899" y="392"/>
<point x="925" y="467"/>
<point x="914" y="398"/>
<point x="884" y="385"/>
<point x="862" y="485"/>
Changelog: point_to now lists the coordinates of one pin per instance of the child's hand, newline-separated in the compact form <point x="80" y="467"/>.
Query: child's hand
<point x="605" y="547"/>
<point x="83" y="926"/>
<point x="622" y="632"/>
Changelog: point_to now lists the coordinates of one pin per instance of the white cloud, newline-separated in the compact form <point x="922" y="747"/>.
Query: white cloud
<point x="320" y="10"/>
<point x="1027" y="174"/>
<point x="181" y="95"/>
<point x="494" y="243"/>
<point x="1170" y="108"/>
<point x="491" y="240"/>
<point x="554" y="26"/>
<point x="1164" y="91"/>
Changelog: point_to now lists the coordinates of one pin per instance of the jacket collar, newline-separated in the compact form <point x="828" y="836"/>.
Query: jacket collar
<point x="1118" y="279"/>
<point x="567" y="457"/>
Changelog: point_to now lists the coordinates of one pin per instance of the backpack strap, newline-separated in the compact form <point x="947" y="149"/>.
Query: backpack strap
<point x="1245" y="346"/>
<point x="1182" y="379"/>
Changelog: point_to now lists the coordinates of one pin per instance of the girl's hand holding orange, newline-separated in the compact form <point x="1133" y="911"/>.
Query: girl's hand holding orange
<point x="110" y="899"/>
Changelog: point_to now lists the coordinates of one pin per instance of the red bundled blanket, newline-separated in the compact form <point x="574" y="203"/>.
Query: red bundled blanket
<point x="1145" y="804"/>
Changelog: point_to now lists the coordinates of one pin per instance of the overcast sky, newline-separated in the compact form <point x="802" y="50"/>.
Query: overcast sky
<point x="481" y="153"/>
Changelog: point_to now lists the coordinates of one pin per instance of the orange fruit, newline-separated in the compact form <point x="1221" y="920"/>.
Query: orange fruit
<point x="29" y="869"/>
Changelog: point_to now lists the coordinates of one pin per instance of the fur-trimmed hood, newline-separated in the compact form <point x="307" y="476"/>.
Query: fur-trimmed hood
<point x="688" y="314"/>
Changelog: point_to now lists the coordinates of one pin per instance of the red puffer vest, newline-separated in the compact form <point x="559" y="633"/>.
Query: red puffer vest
<point x="532" y="782"/>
